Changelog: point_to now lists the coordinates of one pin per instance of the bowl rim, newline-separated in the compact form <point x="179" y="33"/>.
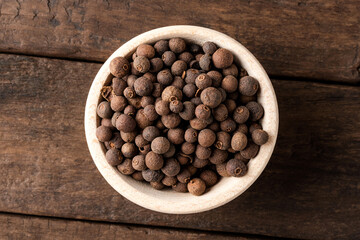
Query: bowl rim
<point x="226" y="189"/>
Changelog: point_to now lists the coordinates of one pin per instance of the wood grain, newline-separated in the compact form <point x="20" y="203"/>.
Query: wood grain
<point x="311" y="39"/>
<point x="309" y="190"/>
<point x="30" y="227"/>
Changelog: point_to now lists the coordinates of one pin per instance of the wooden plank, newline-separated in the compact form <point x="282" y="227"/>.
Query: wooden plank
<point x="312" y="39"/>
<point x="310" y="189"/>
<point x="30" y="227"/>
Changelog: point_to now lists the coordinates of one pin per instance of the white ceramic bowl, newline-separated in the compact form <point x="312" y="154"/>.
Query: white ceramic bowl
<point x="169" y="201"/>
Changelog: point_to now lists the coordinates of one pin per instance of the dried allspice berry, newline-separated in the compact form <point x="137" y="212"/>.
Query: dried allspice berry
<point x="145" y="50"/>
<point x="116" y="141"/>
<point x="221" y="170"/>
<point x="216" y="78"/>
<point x="218" y="156"/>
<point x="168" y="58"/>
<point x="129" y="92"/>
<point x="228" y="125"/>
<point x="157" y="185"/>
<point x="143" y="86"/>
<point x="128" y="137"/>
<point x="254" y="126"/>
<point x="171" y="121"/>
<point x="114" y="157"/>
<point x="200" y="163"/>
<point x="186" y="57"/>
<point x="202" y="152"/>
<point x="236" y="168"/>
<point x="171" y="152"/>
<point x="165" y="77"/>
<point x="222" y="58"/>
<point x="241" y="114"/>
<point x="223" y="140"/>
<point x="161" y="46"/>
<point x="147" y="100"/>
<point x="171" y="167"/>
<point x="150" y="112"/>
<point x="209" y="47"/>
<point x="196" y="186"/>
<point x="220" y="113"/>
<point x="141" y="120"/>
<point x="171" y="93"/>
<point x="256" y="110"/>
<point x="202" y="111"/>
<point x="162" y="108"/>
<point x="125" y="167"/>
<point x="178" y="67"/>
<point x="206" y="137"/>
<point x="184" y="176"/>
<point x="142" y="64"/>
<point x="203" y="81"/>
<point x="180" y="187"/>
<point x="103" y="133"/>
<point x="152" y="176"/>
<point x="125" y="123"/>
<point x="209" y="177"/>
<point x="129" y="150"/>
<point x="188" y="148"/>
<point x="189" y="90"/>
<point x="232" y="70"/>
<point x="176" y="135"/>
<point x="107" y="123"/>
<point x="150" y="133"/>
<point x="211" y="97"/>
<point x="191" y="75"/>
<point x="169" y="181"/>
<point x="118" y="86"/>
<point x="259" y="136"/>
<point x="160" y="145"/>
<point x="248" y="86"/>
<point x="140" y="141"/>
<point x="198" y="124"/>
<point x="188" y="111"/>
<point x="190" y="135"/>
<point x="176" y="106"/>
<point x="177" y="45"/>
<point x="119" y="67"/>
<point x="137" y="176"/>
<point x="238" y="141"/>
<point x="250" y="151"/>
<point x="154" y="161"/>
<point x="118" y="103"/>
<point x="205" y="62"/>
<point x="138" y="162"/>
<point x="229" y="83"/>
<point x="104" y="110"/>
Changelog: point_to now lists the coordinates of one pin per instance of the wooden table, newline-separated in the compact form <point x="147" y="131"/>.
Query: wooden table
<point x="50" y="53"/>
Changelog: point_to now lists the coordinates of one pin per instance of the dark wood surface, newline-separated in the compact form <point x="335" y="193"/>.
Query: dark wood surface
<point x="50" y="52"/>
<point x="303" y="39"/>
<point x="309" y="190"/>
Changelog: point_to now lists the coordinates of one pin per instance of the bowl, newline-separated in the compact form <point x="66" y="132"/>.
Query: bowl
<point x="169" y="201"/>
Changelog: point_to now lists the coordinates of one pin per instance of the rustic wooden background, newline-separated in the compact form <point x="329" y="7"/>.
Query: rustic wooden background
<point x="50" y="53"/>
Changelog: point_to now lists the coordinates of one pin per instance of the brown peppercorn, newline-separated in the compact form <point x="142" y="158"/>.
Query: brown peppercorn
<point x="220" y="113"/>
<point x="196" y="187"/>
<point x="150" y="133"/>
<point x="106" y="122"/>
<point x="218" y="156"/>
<point x="228" y="125"/>
<point x="176" y="106"/>
<point x="129" y="150"/>
<point x="165" y="77"/>
<point x="147" y="100"/>
<point x="241" y="158"/>
<point x="156" y="64"/>
<point x="236" y="168"/>
<point x="116" y="141"/>
<point x="180" y="187"/>
<point x="216" y="78"/>
<point x="152" y="176"/>
<point x="221" y="170"/>
<point x="241" y="114"/>
<point x="141" y="120"/>
<point x="259" y="136"/>
<point x="145" y="50"/>
<point x="171" y="152"/>
<point x="171" y="93"/>
<point x="238" y="141"/>
<point x="129" y="93"/>
<point x="103" y="133"/>
<point x="250" y="151"/>
<point x="114" y="157"/>
<point x="128" y="137"/>
<point x="178" y="82"/>
<point x="168" y="58"/>
<point x="157" y="185"/>
<point x="157" y="90"/>
<point x="140" y="141"/>
<point x="171" y="167"/>
<point x="229" y="84"/>
<point x="206" y="137"/>
<point x="184" y="176"/>
<point x="203" y="81"/>
<point x="159" y="125"/>
<point x="137" y="176"/>
<point x="119" y="67"/>
<point x="200" y="163"/>
<point x="211" y="97"/>
<point x="209" y="47"/>
<point x="202" y="152"/>
<point x="136" y="102"/>
<point x="215" y="126"/>
<point x="205" y="62"/>
<point x="190" y="135"/>
<point x="125" y="167"/>
<point x="104" y="110"/>
<point x="230" y="105"/>
<point x="142" y="64"/>
<point x="161" y="46"/>
<point x="160" y="145"/>
<point x="248" y="86"/>
<point x="223" y="94"/>
<point x="176" y="135"/>
<point x="223" y="140"/>
<point x="196" y="101"/>
<point x="191" y="75"/>
<point x="254" y="126"/>
<point x="145" y="149"/>
<point x="256" y="110"/>
<point x="186" y="57"/>
<point x="162" y="108"/>
<point x="178" y="67"/>
<point x="154" y="161"/>
<point x="169" y="181"/>
<point x="222" y="58"/>
<point x="171" y="121"/>
<point x="150" y="112"/>
<point x="138" y="162"/>
<point x="242" y="128"/>
<point x="198" y="124"/>
<point x="118" y="103"/>
<point x="232" y="70"/>
<point x="209" y="177"/>
<point x="189" y="90"/>
<point x="130" y="80"/>
<point x="134" y="71"/>
<point x="188" y="148"/>
<point x="177" y="45"/>
<point x="118" y="86"/>
<point x="150" y="76"/>
<point x="143" y="86"/>
<point x="202" y="112"/>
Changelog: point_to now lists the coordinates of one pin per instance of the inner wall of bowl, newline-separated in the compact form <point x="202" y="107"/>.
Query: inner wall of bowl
<point x="228" y="188"/>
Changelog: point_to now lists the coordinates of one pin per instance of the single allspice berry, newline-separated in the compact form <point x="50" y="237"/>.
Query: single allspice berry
<point x="229" y="84"/>
<point x="196" y="186"/>
<point x="200" y="163"/>
<point x="186" y="57"/>
<point x="223" y="140"/>
<point x="171" y="93"/>
<point x="256" y="110"/>
<point x="241" y="114"/>
<point x="138" y="162"/>
<point x="137" y="176"/>
<point x="103" y="133"/>
<point x="152" y="176"/>
<point x="216" y="78"/>
<point x="218" y="156"/>
<point x="177" y="45"/>
<point x="202" y="111"/>
<point x="157" y="185"/>
<point x="232" y="70"/>
<point x="129" y="136"/>
<point x="141" y="120"/>
<point x="147" y="100"/>
<point x="209" y="177"/>
<point x="150" y="133"/>
<point x="238" y="141"/>
<point x="116" y="141"/>
<point x="209" y="47"/>
<point x="154" y="161"/>
<point x="206" y="137"/>
<point x="114" y="157"/>
<point x="222" y="58"/>
<point x="141" y="64"/>
<point x="171" y="121"/>
<point x="104" y="110"/>
<point x="140" y="141"/>
<point x="236" y="168"/>
<point x="198" y="124"/>
<point x="171" y="167"/>
<point x="176" y="135"/>
<point x="143" y="86"/>
<point x="145" y="50"/>
<point x="118" y="103"/>
<point x="180" y="187"/>
<point x="220" y="113"/>
<point x="254" y="126"/>
<point x="107" y="123"/>
<point x="189" y="90"/>
<point x="178" y="67"/>
<point x="160" y="145"/>
<point x="188" y="111"/>
<point x="165" y="77"/>
<point x="248" y="86"/>
<point x="202" y="152"/>
<point x="205" y="62"/>
<point x="150" y="112"/>
<point x="168" y="58"/>
<point x="184" y="176"/>
<point x="203" y="81"/>
<point x="250" y="151"/>
<point x="176" y="106"/>
<point x="161" y="46"/>
<point x="228" y="125"/>
<point x="125" y="167"/>
<point x="129" y="93"/>
<point x="191" y="135"/>
<point x="118" y="86"/>
<point x="191" y="75"/>
<point x="119" y="67"/>
<point x="188" y="148"/>
<point x="211" y="97"/>
<point x="125" y="123"/>
<point x="259" y="136"/>
<point x="169" y="181"/>
<point x="129" y="150"/>
<point x="162" y="108"/>
<point x="221" y="170"/>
